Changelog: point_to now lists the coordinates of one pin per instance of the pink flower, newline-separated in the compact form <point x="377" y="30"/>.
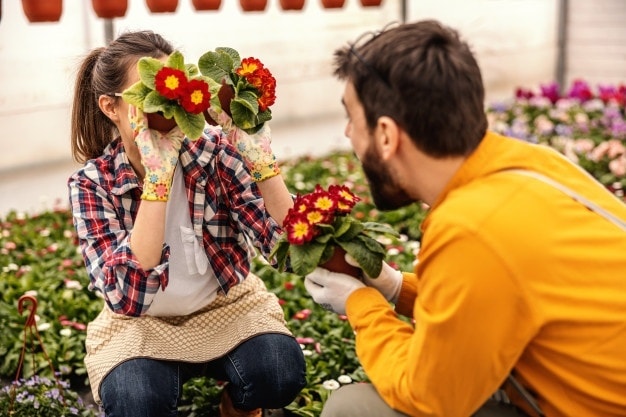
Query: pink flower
<point x="618" y="166"/>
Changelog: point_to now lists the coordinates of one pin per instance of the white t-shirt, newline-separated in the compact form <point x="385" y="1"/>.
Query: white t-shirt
<point x="192" y="283"/>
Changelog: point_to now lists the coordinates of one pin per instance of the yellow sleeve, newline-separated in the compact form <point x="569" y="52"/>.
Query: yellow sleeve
<point x="472" y="322"/>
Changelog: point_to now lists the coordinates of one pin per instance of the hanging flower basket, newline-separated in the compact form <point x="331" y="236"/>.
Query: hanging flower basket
<point x="371" y="3"/>
<point x="253" y="5"/>
<point x="162" y="6"/>
<point x="333" y="4"/>
<point x="43" y="11"/>
<point x="201" y="5"/>
<point x="109" y="9"/>
<point x="292" y="4"/>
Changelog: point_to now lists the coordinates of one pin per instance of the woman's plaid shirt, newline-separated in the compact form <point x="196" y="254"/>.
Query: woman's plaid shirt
<point x="225" y="206"/>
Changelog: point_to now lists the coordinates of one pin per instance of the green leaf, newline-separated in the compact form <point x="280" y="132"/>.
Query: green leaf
<point x="380" y="228"/>
<point x="176" y="60"/>
<point x="280" y="251"/>
<point x="192" y="70"/>
<point x="371" y="262"/>
<point x="219" y="64"/>
<point x="349" y="229"/>
<point x="136" y="94"/>
<point x="192" y="125"/>
<point x="304" y="258"/>
<point x="155" y="102"/>
<point x="242" y="115"/>
<point x="148" y="68"/>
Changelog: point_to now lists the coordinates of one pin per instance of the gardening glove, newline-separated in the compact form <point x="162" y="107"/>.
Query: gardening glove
<point x="388" y="283"/>
<point x="159" y="155"/>
<point x="331" y="289"/>
<point x="254" y="149"/>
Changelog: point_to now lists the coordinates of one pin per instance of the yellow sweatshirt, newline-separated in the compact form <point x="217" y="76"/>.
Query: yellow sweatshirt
<point x="512" y="273"/>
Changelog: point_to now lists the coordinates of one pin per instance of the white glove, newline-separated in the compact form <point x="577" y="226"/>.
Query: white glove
<point x="388" y="283"/>
<point x="331" y="289"/>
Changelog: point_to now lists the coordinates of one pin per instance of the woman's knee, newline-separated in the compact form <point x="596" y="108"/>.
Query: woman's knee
<point x="357" y="400"/>
<point x="141" y="387"/>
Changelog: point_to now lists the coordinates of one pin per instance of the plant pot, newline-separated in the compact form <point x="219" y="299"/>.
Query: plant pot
<point x="206" y="4"/>
<point x="337" y="263"/>
<point x="162" y="6"/>
<point x="333" y="4"/>
<point x="253" y="5"/>
<point x="225" y="95"/>
<point x="109" y="9"/>
<point x="43" y="10"/>
<point x="158" y="122"/>
<point x="371" y="3"/>
<point x="292" y="4"/>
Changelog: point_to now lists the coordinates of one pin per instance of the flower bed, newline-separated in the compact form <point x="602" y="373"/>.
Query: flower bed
<point x="39" y="253"/>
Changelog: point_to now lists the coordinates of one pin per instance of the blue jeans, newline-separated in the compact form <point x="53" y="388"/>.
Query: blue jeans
<point x="267" y="371"/>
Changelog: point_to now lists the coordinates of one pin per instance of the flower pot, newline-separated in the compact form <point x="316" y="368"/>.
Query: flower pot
<point x="109" y="9"/>
<point x="371" y="3"/>
<point x="158" y="122"/>
<point x="253" y="5"/>
<point x="206" y="4"/>
<point x="225" y="95"/>
<point x="292" y="4"/>
<point x="162" y="6"/>
<point x="43" y="10"/>
<point x="337" y="263"/>
<point x="333" y="4"/>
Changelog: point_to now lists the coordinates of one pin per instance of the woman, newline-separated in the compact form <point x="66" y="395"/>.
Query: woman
<point x="164" y="225"/>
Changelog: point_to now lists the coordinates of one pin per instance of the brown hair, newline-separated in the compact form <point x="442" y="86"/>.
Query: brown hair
<point x="424" y="77"/>
<point x="103" y="71"/>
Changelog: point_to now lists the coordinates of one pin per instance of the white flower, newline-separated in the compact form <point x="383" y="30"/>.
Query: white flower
<point x="32" y="293"/>
<point x="307" y="352"/>
<point x="393" y="251"/>
<point x="330" y="384"/>
<point x="44" y="232"/>
<point x="43" y="326"/>
<point x="344" y="379"/>
<point x="65" y="332"/>
<point x="73" y="285"/>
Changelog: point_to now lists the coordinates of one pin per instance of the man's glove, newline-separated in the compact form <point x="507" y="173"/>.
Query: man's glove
<point x="159" y="155"/>
<point x="388" y="283"/>
<point x="331" y="289"/>
<point x="255" y="149"/>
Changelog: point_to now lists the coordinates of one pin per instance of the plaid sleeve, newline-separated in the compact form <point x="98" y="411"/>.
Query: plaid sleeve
<point x="247" y="206"/>
<point x="104" y="243"/>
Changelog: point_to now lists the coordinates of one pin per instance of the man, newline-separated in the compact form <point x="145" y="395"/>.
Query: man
<point x="513" y="275"/>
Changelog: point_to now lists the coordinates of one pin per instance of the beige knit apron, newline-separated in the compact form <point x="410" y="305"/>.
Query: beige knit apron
<point x="248" y="310"/>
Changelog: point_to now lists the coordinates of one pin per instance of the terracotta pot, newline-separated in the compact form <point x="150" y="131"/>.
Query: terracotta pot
<point x="108" y="9"/>
<point x="225" y="95"/>
<point x="253" y="5"/>
<point x="162" y="6"/>
<point x="333" y="4"/>
<point x="337" y="263"/>
<point x="292" y="4"/>
<point x="158" y="122"/>
<point x="371" y="3"/>
<point x="206" y="4"/>
<point x="43" y="10"/>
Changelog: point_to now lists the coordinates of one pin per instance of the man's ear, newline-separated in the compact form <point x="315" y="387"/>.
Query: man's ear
<point x="109" y="107"/>
<point x="387" y="137"/>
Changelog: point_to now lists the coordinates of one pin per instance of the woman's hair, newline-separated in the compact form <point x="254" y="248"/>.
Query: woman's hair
<point x="103" y="71"/>
<point x="424" y="77"/>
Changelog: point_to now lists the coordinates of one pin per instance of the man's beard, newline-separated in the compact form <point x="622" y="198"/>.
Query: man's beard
<point x="386" y="192"/>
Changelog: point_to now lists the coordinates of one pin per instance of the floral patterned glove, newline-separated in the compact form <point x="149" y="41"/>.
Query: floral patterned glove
<point x="255" y="149"/>
<point x="159" y="155"/>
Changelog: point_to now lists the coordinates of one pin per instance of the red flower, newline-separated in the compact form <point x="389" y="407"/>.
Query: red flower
<point x="345" y="199"/>
<point x="260" y="78"/>
<point x="249" y="66"/>
<point x="196" y="97"/>
<point x="298" y="229"/>
<point x="170" y="82"/>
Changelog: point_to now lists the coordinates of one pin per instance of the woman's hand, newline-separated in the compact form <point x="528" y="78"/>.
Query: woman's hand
<point x="159" y="155"/>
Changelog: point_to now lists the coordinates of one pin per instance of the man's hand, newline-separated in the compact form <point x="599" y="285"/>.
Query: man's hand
<point x="389" y="282"/>
<point x="331" y="289"/>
